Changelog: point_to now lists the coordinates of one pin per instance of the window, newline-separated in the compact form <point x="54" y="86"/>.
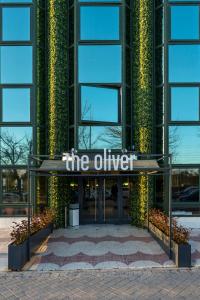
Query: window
<point x="15" y="145"/>
<point x="16" y="64"/>
<point x="99" y="23"/>
<point x="16" y="24"/>
<point x="184" y="144"/>
<point x="184" y="63"/>
<point x="94" y="100"/>
<point x="185" y="185"/>
<point x="14" y="186"/>
<point x="184" y="22"/>
<point x="99" y="137"/>
<point x="16" y="105"/>
<point x="185" y="104"/>
<point x="100" y="64"/>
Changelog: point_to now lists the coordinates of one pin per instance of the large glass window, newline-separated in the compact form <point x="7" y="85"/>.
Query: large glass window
<point x="185" y="185"/>
<point x="93" y="103"/>
<point x="16" y="105"/>
<point x="100" y="64"/>
<point x="16" y="24"/>
<point x="184" y="22"/>
<point x="184" y="63"/>
<point x="99" y="137"/>
<point x="14" y="186"/>
<point x="99" y="23"/>
<point x="184" y="144"/>
<point x="15" y="145"/>
<point x="16" y="64"/>
<point x="184" y="104"/>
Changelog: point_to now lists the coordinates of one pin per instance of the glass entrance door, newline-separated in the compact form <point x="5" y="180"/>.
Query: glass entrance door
<point x="99" y="200"/>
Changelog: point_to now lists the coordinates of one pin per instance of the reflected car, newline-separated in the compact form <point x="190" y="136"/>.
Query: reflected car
<point x="191" y="196"/>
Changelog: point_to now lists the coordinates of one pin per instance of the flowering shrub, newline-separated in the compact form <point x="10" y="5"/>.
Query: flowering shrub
<point x="20" y="230"/>
<point x="179" y="234"/>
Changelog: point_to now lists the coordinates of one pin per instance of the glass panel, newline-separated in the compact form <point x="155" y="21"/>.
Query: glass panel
<point x="99" y="23"/>
<point x="14" y="211"/>
<point x="89" y="206"/>
<point x="100" y="64"/>
<point x="184" y="22"/>
<point x="16" y="64"/>
<point x="184" y="144"/>
<point x="14" y="186"/>
<point x="16" y="24"/>
<point x="99" y="137"/>
<point x="93" y="103"/>
<point x="126" y="196"/>
<point x="16" y="145"/>
<point x="110" y="199"/>
<point x="184" y="104"/>
<point x="185" y="185"/>
<point x="16" y="105"/>
<point x="184" y="63"/>
<point x="16" y="1"/>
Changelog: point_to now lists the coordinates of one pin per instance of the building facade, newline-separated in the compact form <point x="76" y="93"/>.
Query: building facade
<point x="88" y="75"/>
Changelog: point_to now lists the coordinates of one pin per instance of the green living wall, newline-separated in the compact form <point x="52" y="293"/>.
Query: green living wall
<point x="57" y="83"/>
<point x="142" y="70"/>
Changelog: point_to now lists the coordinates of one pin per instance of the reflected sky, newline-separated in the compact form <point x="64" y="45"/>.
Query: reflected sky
<point x="184" y="63"/>
<point x="15" y="1"/>
<point x="15" y="145"/>
<point x="99" y="23"/>
<point x="99" y="104"/>
<point x="185" y="104"/>
<point x="184" y="22"/>
<point x="16" y="24"/>
<point x="16" y="105"/>
<point x="16" y="64"/>
<point x="99" y="137"/>
<point x="184" y="144"/>
<point x="100" y="64"/>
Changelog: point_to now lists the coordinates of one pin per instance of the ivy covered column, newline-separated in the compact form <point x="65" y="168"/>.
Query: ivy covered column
<point x="142" y="70"/>
<point x="57" y="48"/>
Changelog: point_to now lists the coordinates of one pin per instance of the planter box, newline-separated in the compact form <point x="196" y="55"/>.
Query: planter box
<point x="181" y="253"/>
<point x="37" y="238"/>
<point x="18" y="255"/>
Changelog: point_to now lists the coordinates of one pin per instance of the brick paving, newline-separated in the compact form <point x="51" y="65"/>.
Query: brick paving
<point x="151" y="284"/>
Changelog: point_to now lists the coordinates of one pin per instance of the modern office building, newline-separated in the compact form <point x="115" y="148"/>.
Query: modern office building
<point x="88" y="75"/>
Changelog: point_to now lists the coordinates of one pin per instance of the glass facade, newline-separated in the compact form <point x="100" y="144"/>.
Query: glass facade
<point x="181" y="102"/>
<point x="99" y="76"/>
<point x="16" y="103"/>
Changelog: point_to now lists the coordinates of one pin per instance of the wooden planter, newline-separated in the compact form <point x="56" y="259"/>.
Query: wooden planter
<point x="18" y="255"/>
<point x="181" y="253"/>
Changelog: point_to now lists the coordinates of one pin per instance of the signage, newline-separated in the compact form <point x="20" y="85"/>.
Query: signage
<point x="106" y="161"/>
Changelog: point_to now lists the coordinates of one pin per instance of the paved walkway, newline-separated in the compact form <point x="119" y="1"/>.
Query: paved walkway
<point x="99" y="247"/>
<point x="4" y="241"/>
<point x="149" y="284"/>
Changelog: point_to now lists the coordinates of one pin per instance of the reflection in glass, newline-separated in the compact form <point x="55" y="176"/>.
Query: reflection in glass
<point x="14" y="186"/>
<point x="15" y="145"/>
<point x="16" y="24"/>
<point x="185" y="185"/>
<point x="184" y="144"/>
<point x="100" y="0"/>
<point x="100" y="64"/>
<point x="184" y="63"/>
<point x="185" y="104"/>
<point x="99" y="23"/>
<point x="94" y="100"/>
<point x="110" y="199"/>
<point x="89" y="206"/>
<point x="14" y="211"/>
<point x="184" y="22"/>
<point x="16" y="105"/>
<point x="16" y="64"/>
<point x="99" y="137"/>
<point x="126" y="195"/>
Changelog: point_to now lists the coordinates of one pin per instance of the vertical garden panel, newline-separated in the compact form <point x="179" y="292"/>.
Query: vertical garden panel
<point x="57" y="49"/>
<point x="142" y="70"/>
